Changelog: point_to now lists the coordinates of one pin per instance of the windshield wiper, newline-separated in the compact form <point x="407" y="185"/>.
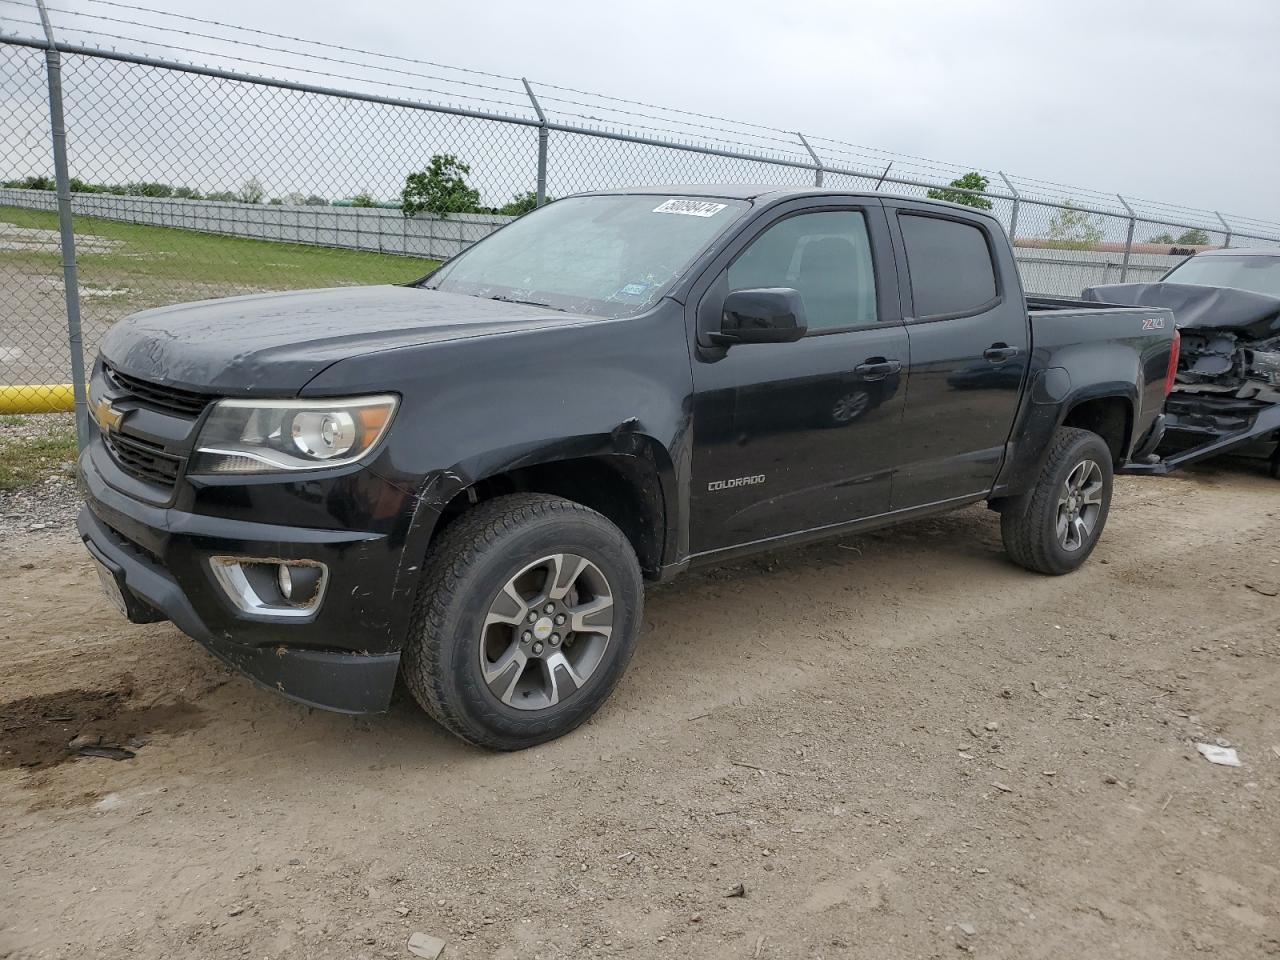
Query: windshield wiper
<point x="532" y="303"/>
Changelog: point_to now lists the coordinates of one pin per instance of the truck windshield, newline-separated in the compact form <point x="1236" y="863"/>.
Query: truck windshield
<point x="607" y="256"/>
<point x="1252" y="273"/>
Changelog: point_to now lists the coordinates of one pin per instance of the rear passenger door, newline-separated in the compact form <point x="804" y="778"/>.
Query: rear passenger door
<point x="968" y="330"/>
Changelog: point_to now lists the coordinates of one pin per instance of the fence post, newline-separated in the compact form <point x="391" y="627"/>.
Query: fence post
<point x="817" y="164"/>
<point x="1013" y="215"/>
<point x="542" y="143"/>
<point x="1128" y="240"/>
<point x="1226" y="244"/>
<point x="66" y="228"/>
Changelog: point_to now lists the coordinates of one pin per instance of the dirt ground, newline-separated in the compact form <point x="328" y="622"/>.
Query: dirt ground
<point x="898" y="746"/>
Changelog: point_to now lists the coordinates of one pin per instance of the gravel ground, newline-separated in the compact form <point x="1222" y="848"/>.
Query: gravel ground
<point x="49" y="508"/>
<point x="900" y="747"/>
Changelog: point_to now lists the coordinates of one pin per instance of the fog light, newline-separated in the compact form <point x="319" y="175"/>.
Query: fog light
<point x="298" y="582"/>
<point x="271" y="588"/>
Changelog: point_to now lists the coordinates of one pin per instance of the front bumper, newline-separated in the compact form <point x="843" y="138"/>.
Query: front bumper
<point x="344" y="657"/>
<point x="1198" y="431"/>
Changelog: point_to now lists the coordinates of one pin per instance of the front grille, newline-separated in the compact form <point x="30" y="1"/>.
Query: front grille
<point x="184" y="403"/>
<point x="146" y="461"/>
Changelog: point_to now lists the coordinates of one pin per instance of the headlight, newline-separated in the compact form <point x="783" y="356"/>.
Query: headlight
<point x="266" y="436"/>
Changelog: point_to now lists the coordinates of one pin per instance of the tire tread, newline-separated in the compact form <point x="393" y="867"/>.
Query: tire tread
<point x="459" y="548"/>
<point x="1021" y="524"/>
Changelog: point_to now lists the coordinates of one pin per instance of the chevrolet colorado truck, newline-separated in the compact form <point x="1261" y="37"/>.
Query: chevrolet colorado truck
<point x="465" y="481"/>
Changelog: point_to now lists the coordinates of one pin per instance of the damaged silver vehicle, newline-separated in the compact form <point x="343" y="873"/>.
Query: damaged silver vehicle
<point x="1226" y="396"/>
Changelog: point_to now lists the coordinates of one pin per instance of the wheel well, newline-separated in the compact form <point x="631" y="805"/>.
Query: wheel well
<point x="624" y="489"/>
<point x="1109" y="417"/>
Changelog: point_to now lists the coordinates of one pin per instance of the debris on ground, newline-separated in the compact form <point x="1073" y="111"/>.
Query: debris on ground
<point x="739" y="891"/>
<point x="1223" y="756"/>
<point x="968" y="929"/>
<point x="425" y="945"/>
<point x="105" y="750"/>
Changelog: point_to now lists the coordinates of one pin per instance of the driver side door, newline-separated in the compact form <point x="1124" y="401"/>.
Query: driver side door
<point x="791" y="437"/>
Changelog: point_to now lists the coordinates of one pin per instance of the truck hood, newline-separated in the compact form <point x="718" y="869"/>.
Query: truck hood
<point x="277" y="342"/>
<point x="1199" y="308"/>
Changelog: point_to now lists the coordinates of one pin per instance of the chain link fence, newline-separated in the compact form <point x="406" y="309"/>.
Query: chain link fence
<point x="186" y="182"/>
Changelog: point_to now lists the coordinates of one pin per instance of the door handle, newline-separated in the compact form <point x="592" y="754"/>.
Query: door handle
<point x="999" y="352"/>
<point x="877" y="368"/>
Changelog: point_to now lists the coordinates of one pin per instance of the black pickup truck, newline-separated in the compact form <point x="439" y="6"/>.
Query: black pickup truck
<point x="466" y="480"/>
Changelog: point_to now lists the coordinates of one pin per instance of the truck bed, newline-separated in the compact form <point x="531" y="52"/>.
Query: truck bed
<point x="1036" y="304"/>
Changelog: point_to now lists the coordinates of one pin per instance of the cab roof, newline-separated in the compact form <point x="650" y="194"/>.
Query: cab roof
<point x="759" y="191"/>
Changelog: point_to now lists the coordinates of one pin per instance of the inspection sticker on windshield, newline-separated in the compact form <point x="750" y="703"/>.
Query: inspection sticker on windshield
<point x="690" y="208"/>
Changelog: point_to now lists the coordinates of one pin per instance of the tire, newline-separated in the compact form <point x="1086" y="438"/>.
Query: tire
<point x="468" y="622"/>
<point x="1031" y="524"/>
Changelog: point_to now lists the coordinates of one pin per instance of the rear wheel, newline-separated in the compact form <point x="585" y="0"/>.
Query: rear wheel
<point x="1055" y="526"/>
<point x="526" y="619"/>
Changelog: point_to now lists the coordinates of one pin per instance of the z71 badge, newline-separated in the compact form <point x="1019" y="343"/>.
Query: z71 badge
<point x="715" y="485"/>
<point x="1153" y="323"/>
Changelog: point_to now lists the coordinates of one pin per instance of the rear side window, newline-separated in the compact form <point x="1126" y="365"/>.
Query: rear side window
<point x="950" y="266"/>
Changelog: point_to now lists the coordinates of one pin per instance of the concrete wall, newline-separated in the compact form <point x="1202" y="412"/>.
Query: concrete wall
<point x="1064" y="273"/>
<point x="355" y="228"/>
<point x="1051" y="272"/>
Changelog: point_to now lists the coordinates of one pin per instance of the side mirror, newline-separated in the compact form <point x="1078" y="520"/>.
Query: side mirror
<point x="765" y="315"/>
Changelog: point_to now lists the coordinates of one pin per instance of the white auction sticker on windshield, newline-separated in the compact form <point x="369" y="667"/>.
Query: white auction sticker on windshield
<point x="690" y="208"/>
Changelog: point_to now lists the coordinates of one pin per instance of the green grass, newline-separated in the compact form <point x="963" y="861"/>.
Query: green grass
<point x="27" y="460"/>
<point x="147" y="257"/>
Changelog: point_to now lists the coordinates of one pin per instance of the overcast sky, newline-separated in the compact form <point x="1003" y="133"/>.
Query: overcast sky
<point x="1163" y="99"/>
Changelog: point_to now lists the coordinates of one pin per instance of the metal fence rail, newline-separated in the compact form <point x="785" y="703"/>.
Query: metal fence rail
<point x="176" y="181"/>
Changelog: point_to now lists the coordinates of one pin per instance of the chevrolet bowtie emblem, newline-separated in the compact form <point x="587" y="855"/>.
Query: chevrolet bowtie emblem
<point x="106" y="415"/>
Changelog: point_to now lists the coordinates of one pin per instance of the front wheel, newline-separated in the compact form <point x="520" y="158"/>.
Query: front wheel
<point x="1055" y="526"/>
<point x="526" y="619"/>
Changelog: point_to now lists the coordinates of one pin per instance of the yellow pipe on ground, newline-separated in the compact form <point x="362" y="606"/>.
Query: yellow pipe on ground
<point x="38" y="398"/>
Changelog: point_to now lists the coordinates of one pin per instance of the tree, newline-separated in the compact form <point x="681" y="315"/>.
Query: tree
<point x="32" y="183"/>
<point x="315" y="200"/>
<point x="251" y="191"/>
<point x="363" y="200"/>
<point x="1193" y="237"/>
<point x="970" y="181"/>
<point x="186" y="193"/>
<point x="1073" y="229"/>
<point x="441" y="189"/>
<point x="150" y="190"/>
<point x="521" y="204"/>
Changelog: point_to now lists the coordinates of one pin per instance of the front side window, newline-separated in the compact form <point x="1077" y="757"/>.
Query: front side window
<point x="825" y="256"/>
<point x="606" y="256"/>
<point x="950" y="266"/>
